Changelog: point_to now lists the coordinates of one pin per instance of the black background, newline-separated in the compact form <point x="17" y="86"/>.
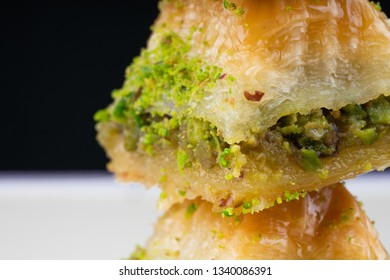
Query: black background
<point x="58" y="65"/>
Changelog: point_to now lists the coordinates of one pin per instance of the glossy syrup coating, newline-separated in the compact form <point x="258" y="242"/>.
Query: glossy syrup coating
<point x="328" y="224"/>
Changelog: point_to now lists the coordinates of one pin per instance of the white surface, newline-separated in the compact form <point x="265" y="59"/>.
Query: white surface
<point x="72" y="216"/>
<point x="89" y="216"/>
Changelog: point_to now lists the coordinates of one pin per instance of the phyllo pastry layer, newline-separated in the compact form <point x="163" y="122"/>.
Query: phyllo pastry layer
<point x="328" y="224"/>
<point x="253" y="101"/>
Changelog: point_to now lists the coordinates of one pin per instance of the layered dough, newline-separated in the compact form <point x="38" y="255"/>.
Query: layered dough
<point x="302" y="55"/>
<point x="211" y="108"/>
<point x="328" y="224"/>
<point x="268" y="177"/>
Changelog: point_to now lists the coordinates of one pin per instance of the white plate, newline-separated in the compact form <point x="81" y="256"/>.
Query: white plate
<point x="89" y="216"/>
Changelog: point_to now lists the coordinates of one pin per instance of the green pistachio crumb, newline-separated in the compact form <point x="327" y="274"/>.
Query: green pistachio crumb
<point x="231" y="78"/>
<point x="247" y="205"/>
<point x="182" y="160"/>
<point x="310" y="160"/>
<point x="292" y="129"/>
<point x="354" y="113"/>
<point x="119" y="110"/>
<point x="293" y="196"/>
<point x="139" y="253"/>
<point x="379" y="110"/>
<point x="368" y="135"/>
<point x="240" y="12"/>
<point x="191" y="209"/>
<point x="228" y="212"/>
<point x="182" y="193"/>
<point x="377" y="5"/>
<point x="347" y="215"/>
<point x="163" y="195"/>
<point x="232" y="7"/>
<point x="224" y="158"/>
<point x="102" y="115"/>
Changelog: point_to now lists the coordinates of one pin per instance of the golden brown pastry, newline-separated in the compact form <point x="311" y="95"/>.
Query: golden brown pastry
<point x="328" y="224"/>
<point x="253" y="102"/>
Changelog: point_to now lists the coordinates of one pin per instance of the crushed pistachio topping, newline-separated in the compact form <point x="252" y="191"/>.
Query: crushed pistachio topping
<point x="347" y="215"/>
<point x="377" y="5"/>
<point x="182" y="193"/>
<point x="247" y="207"/>
<point x="232" y="7"/>
<point x="165" y="74"/>
<point x="228" y="212"/>
<point x="102" y="116"/>
<point x="310" y="159"/>
<point x="294" y="196"/>
<point x="225" y="158"/>
<point x="182" y="160"/>
<point x="163" y="195"/>
<point x="191" y="209"/>
<point x="138" y="254"/>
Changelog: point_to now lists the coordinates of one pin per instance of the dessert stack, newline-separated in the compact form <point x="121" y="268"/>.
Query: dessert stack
<point x="248" y="115"/>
